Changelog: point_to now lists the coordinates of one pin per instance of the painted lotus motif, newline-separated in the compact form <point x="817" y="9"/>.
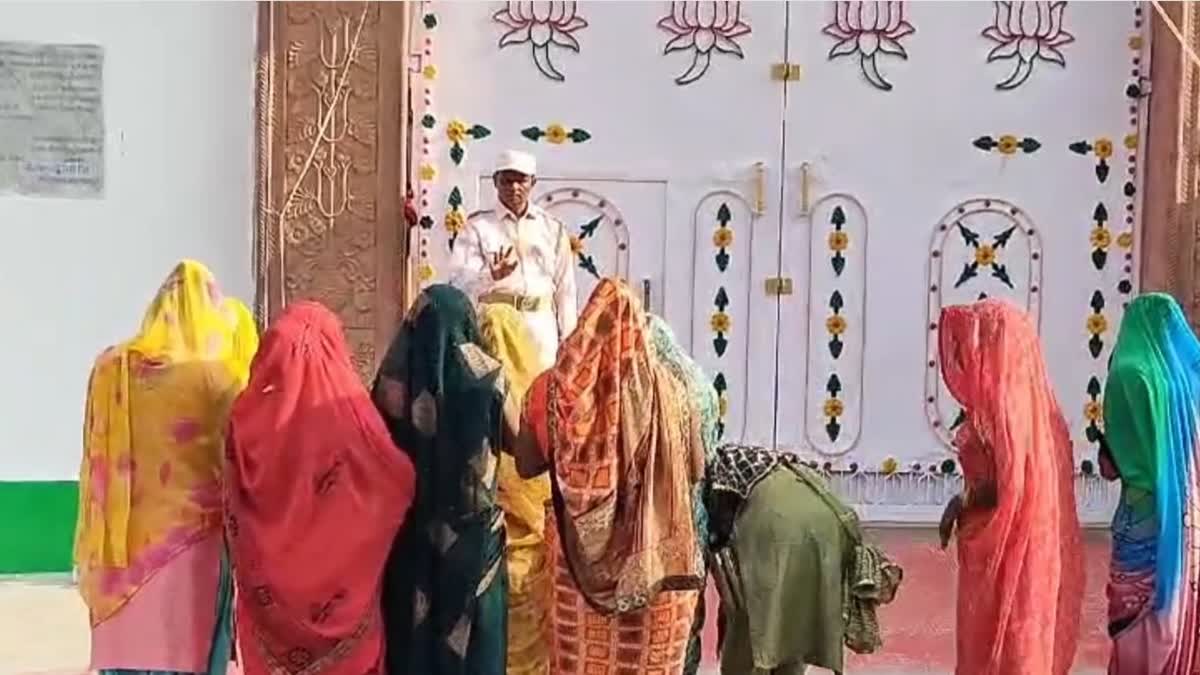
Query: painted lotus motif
<point x="541" y="25"/>
<point x="1027" y="32"/>
<point x="703" y="28"/>
<point x="868" y="30"/>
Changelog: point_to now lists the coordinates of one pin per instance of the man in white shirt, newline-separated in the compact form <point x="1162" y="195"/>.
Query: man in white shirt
<point x="519" y="255"/>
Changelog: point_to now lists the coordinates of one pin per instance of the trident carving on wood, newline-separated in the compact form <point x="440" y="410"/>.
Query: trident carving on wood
<point x="332" y="179"/>
<point x="297" y="210"/>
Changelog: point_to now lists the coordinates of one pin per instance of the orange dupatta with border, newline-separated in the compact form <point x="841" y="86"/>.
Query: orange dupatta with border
<point x="1021" y="574"/>
<point x="626" y="451"/>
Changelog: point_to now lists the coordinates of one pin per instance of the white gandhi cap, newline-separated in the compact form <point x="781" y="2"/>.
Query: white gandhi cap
<point x="512" y="160"/>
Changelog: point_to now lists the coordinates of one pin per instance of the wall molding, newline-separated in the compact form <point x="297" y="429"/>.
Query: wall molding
<point x="37" y="533"/>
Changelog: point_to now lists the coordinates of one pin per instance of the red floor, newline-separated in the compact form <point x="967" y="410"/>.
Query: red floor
<point x="919" y="626"/>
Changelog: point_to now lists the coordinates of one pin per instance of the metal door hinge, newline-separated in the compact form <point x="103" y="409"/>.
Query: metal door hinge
<point x="777" y="286"/>
<point x="786" y="72"/>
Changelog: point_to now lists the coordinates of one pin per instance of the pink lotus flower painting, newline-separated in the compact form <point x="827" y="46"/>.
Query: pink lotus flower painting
<point x="703" y="28"/>
<point x="869" y="30"/>
<point x="1027" y="32"/>
<point x="541" y="25"/>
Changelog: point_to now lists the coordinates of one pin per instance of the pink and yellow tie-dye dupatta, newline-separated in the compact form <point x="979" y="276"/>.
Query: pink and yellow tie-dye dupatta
<point x="150" y="479"/>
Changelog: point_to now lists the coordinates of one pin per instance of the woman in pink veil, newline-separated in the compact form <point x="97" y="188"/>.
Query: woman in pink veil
<point x="1021" y="577"/>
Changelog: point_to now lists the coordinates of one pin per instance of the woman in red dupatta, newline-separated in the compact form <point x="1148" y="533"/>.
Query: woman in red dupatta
<point x="624" y="450"/>
<point x="317" y="491"/>
<point x="1021" y="578"/>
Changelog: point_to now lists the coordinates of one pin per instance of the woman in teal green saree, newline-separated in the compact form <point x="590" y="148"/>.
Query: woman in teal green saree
<point x="1151" y="406"/>
<point x="703" y="400"/>
<point x="446" y="403"/>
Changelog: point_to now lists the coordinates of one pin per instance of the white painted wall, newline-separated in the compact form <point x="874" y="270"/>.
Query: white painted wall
<point x="662" y="157"/>
<point x="75" y="276"/>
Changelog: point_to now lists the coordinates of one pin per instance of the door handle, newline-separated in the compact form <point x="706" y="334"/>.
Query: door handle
<point x="646" y="295"/>
<point x="805" y="204"/>
<point x="760" y="188"/>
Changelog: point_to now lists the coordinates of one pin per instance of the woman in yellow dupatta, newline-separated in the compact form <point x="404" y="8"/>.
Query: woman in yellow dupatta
<point x="149" y="545"/>
<point x="245" y="336"/>
<point x="524" y="505"/>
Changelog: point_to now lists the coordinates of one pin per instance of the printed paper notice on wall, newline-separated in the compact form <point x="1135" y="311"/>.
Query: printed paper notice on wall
<point x="51" y="120"/>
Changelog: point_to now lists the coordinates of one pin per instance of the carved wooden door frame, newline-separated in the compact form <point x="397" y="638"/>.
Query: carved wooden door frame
<point x="332" y="158"/>
<point x="1170" y="218"/>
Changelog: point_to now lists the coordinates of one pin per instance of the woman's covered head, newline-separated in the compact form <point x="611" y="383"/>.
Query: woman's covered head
<point x="306" y="330"/>
<point x="430" y="338"/>
<point x="984" y="346"/>
<point x="187" y="319"/>
<point x="1155" y="326"/>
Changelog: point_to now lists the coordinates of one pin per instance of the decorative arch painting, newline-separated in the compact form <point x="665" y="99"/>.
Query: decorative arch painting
<point x="982" y="248"/>
<point x="599" y="237"/>
<point x="837" y="293"/>
<point x="723" y="225"/>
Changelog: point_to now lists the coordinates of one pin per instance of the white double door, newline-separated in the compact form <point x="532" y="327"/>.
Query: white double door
<point x="739" y="200"/>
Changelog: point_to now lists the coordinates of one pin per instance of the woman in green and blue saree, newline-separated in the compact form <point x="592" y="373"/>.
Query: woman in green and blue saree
<point x="705" y="405"/>
<point x="1151" y="402"/>
<point x="446" y="403"/>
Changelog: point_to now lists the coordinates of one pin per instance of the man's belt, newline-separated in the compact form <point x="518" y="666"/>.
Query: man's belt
<point x="522" y="303"/>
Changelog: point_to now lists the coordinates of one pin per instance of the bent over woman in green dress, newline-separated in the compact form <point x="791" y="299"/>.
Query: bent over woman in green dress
<point x="797" y="580"/>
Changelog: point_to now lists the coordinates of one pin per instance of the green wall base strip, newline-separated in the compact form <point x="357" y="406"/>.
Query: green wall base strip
<point x="37" y="526"/>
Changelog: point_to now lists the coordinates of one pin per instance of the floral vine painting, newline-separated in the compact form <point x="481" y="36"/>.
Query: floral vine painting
<point x="986" y="255"/>
<point x="1102" y="148"/>
<point x="541" y="25"/>
<point x="1027" y="32"/>
<point x="556" y="133"/>
<point x="702" y="28"/>
<point x="578" y="247"/>
<point x="457" y="133"/>
<point x="868" y="30"/>
<point x="1007" y="144"/>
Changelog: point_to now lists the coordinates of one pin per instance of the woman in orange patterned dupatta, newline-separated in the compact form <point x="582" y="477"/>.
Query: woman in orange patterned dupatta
<point x="624" y="451"/>
<point x="1020" y="552"/>
<point x="148" y="543"/>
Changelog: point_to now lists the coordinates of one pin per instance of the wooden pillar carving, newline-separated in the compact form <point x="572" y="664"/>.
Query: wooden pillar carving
<point x="1170" y="254"/>
<point x="332" y="107"/>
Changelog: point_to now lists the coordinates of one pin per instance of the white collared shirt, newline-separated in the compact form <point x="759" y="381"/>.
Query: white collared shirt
<point x="541" y="247"/>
